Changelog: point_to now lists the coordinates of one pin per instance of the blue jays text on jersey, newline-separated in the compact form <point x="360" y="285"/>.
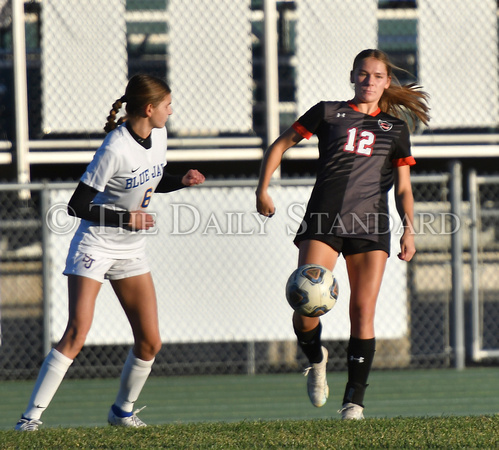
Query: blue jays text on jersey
<point x="144" y="176"/>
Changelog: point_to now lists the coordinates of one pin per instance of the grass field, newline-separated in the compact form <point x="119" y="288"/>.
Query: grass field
<point x="426" y="408"/>
<point x="451" y="432"/>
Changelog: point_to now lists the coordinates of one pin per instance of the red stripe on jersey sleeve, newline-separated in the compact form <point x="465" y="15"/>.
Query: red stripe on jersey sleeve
<point x="301" y="130"/>
<point x="409" y="161"/>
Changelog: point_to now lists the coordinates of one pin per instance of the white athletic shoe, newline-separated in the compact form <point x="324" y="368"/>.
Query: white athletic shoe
<point x="351" y="411"/>
<point x="318" y="390"/>
<point x="27" y="424"/>
<point x="130" y="421"/>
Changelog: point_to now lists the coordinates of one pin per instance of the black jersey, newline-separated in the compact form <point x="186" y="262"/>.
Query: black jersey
<point x="358" y="154"/>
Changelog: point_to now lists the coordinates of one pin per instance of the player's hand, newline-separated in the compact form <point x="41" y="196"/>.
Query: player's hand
<point x="140" y="220"/>
<point x="407" y="246"/>
<point x="192" y="178"/>
<point x="264" y="204"/>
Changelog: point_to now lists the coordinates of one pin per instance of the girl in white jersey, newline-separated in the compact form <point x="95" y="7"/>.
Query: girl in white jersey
<point x="111" y="200"/>
<point x="364" y="149"/>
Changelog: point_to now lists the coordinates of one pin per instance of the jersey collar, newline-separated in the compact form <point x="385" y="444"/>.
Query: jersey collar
<point x="355" y="108"/>
<point x="146" y="143"/>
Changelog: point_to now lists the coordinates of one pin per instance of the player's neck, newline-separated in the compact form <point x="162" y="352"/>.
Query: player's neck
<point x="140" y="127"/>
<point x="365" y="108"/>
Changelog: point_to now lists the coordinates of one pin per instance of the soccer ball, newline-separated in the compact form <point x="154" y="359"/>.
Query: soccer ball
<point x="312" y="290"/>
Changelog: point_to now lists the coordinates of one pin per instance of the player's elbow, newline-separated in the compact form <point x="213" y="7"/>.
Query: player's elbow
<point x="75" y="209"/>
<point x="71" y="211"/>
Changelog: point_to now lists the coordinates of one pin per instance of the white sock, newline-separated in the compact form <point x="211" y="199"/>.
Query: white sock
<point x="51" y="374"/>
<point x="133" y="377"/>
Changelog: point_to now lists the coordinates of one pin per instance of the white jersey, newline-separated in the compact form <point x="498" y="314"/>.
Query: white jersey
<point x="126" y="175"/>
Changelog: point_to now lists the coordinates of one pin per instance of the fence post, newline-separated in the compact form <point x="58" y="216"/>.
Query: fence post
<point x="271" y="71"/>
<point x="20" y="94"/>
<point x="476" y="341"/>
<point x="251" y="366"/>
<point x="457" y="265"/>
<point x="47" y="345"/>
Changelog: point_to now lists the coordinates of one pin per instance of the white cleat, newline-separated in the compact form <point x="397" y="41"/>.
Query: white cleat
<point x="27" y="424"/>
<point x="130" y="421"/>
<point x="351" y="411"/>
<point x="318" y="390"/>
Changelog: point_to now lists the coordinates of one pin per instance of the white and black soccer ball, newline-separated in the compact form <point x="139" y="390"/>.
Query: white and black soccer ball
<point x="312" y="290"/>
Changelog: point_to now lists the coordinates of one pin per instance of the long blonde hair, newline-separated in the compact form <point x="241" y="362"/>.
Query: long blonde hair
<point x="399" y="100"/>
<point x="141" y="91"/>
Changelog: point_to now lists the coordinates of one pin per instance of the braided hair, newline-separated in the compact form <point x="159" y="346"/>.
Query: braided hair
<point x="141" y="91"/>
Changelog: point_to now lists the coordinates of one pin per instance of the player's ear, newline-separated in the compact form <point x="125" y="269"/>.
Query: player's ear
<point x="148" y="110"/>
<point x="351" y="76"/>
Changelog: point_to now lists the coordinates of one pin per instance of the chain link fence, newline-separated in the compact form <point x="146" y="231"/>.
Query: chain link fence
<point x="83" y="63"/>
<point x="21" y="286"/>
<point x="430" y="273"/>
<point x="80" y="54"/>
<point x="484" y="260"/>
<point x="220" y="272"/>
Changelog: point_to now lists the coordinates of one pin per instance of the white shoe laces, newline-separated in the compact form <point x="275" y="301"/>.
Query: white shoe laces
<point x="351" y="411"/>
<point x="317" y="387"/>
<point x="319" y="375"/>
<point x="28" y="424"/>
<point x="136" y="421"/>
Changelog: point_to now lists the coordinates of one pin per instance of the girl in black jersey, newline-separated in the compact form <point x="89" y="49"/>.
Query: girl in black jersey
<point x="364" y="150"/>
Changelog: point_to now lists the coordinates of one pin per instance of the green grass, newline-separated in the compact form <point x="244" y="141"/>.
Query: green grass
<point x="442" y="432"/>
<point x="423" y="408"/>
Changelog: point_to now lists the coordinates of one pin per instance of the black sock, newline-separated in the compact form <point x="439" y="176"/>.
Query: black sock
<point x="360" y="355"/>
<point x="310" y="343"/>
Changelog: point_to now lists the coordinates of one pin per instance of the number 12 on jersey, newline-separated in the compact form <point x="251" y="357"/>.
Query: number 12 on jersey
<point x="363" y="145"/>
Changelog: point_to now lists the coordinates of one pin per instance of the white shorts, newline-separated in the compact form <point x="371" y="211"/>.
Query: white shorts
<point x="100" y="267"/>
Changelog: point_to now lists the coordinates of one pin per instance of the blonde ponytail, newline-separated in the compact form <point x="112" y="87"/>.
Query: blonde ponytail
<point x="407" y="101"/>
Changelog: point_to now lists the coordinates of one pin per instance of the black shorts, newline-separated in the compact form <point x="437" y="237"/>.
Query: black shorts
<point x="350" y="246"/>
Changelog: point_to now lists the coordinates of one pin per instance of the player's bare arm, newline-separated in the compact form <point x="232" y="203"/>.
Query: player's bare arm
<point x="271" y="161"/>
<point x="405" y="207"/>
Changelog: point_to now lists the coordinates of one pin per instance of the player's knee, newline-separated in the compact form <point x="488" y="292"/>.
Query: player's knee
<point x="73" y="341"/>
<point x="149" y="349"/>
<point x="156" y="347"/>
